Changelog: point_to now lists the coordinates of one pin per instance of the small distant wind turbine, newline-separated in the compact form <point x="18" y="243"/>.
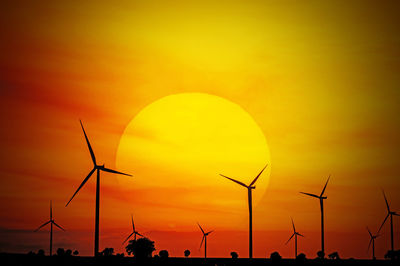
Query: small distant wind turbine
<point x="373" y="237"/>
<point x="321" y="203"/>
<point x="51" y="222"/>
<point x="390" y="213"/>
<point x="134" y="232"/>
<point x="204" y="239"/>
<point x="96" y="168"/>
<point x="295" y="234"/>
<point x="249" y="189"/>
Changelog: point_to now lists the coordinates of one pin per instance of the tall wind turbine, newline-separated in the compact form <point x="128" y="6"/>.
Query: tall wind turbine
<point x="51" y="222"/>
<point x="249" y="189"/>
<point x="204" y="239"/>
<point x="321" y="203"/>
<point x="390" y="213"/>
<point x="295" y="234"/>
<point x="97" y="168"/>
<point x="134" y="232"/>
<point x="373" y="237"/>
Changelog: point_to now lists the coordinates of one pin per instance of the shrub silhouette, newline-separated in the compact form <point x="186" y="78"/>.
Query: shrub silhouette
<point x="76" y="253"/>
<point x="140" y="248"/>
<point x="234" y="255"/>
<point x="107" y="252"/>
<point x="41" y="252"/>
<point x="163" y="254"/>
<point x="275" y="257"/>
<point x="301" y="258"/>
<point x="68" y="252"/>
<point x="60" y="252"/>
<point x="320" y="255"/>
<point x="334" y="256"/>
<point x="186" y="253"/>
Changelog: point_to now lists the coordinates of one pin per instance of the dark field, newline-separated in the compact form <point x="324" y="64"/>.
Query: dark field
<point x="25" y="260"/>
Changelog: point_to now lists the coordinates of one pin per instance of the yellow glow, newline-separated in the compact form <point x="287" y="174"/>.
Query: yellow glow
<point x="177" y="146"/>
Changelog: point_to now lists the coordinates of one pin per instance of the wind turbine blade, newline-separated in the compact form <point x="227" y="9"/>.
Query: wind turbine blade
<point x="46" y="223"/>
<point x="127" y="238"/>
<point x="88" y="143"/>
<point x="59" y="226"/>
<point x="309" y="194"/>
<point x="210" y="232"/>
<point x="294" y="228"/>
<point x="113" y="171"/>
<point x="289" y="239"/>
<point x="240" y="183"/>
<point x="387" y="204"/>
<point x="133" y="225"/>
<point x="323" y="190"/>
<point x="383" y="222"/>
<point x="83" y="183"/>
<point x="369" y="232"/>
<point x="395" y="213"/>
<point x="202" y="241"/>
<point x="200" y="228"/>
<point x="255" y="179"/>
<point x="139" y="234"/>
<point x="300" y="234"/>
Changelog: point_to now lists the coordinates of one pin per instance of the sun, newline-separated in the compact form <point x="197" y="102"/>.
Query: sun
<point x="177" y="146"/>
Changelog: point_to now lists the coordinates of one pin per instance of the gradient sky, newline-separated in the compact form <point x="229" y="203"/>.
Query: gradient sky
<point x="320" y="79"/>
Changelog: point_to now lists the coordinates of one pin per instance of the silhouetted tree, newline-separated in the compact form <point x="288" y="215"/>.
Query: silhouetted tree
<point x="76" y="253"/>
<point x="275" y="257"/>
<point x="140" y="248"/>
<point x="31" y="253"/>
<point x="60" y="252"/>
<point x="186" y="253"/>
<point x="234" y="255"/>
<point x="41" y="252"/>
<point x="68" y="252"/>
<point x="107" y="252"/>
<point x="301" y="258"/>
<point x="320" y="255"/>
<point x="163" y="254"/>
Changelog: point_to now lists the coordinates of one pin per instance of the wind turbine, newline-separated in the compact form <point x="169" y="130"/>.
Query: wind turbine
<point x="134" y="232"/>
<point x="249" y="189"/>
<point x="295" y="234"/>
<point x="373" y="237"/>
<point x="321" y="203"/>
<point x="204" y="239"/>
<point x="51" y="222"/>
<point x="390" y="213"/>
<point x="97" y="168"/>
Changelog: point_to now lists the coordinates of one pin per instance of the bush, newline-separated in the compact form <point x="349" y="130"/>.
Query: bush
<point x="234" y="255"/>
<point x="163" y="254"/>
<point x="186" y="253"/>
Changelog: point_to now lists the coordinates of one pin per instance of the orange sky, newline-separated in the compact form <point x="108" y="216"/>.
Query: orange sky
<point x="319" y="79"/>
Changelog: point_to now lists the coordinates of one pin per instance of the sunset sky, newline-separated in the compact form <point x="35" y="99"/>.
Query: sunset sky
<point x="309" y="87"/>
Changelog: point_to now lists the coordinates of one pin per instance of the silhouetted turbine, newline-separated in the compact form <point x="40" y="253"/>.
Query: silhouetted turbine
<point x="295" y="234"/>
<point x="321" y="203"/>
<point x="249" y="189"/>
<point x="390" y="213"/>
<point x="373" y="237"/>
<point x="96" y="168"/>
<point x="51" y="222"/>
<point x="134" y="232"/>
<point x="204" y="239"/>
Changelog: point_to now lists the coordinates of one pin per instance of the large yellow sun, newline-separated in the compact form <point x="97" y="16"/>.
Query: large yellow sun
<point x="177" y="146"/>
